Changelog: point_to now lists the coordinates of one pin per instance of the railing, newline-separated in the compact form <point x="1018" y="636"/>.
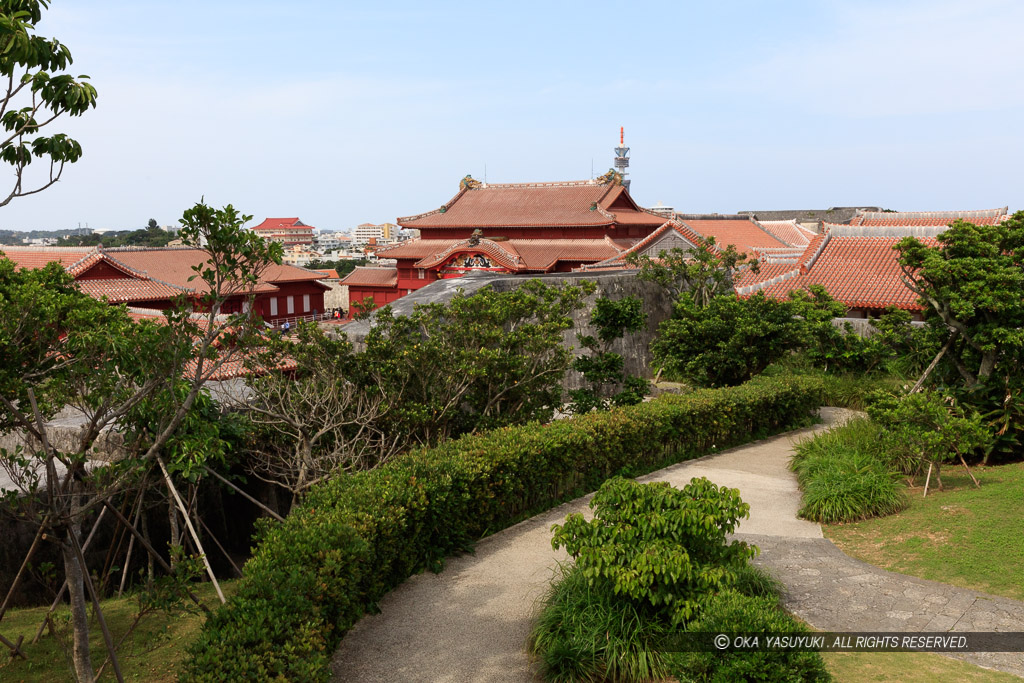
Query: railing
<point x="294" y="320"/>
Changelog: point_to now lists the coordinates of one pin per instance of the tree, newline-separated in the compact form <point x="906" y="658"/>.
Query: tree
<point x="971" y="283"/>
<point x="928" y="427"/>
<point x="319" y="411"/>
<point x="661" y="547"/>
<point x="37" y="94"/>
<point x="63" y="349"/>
<point x="603" y="368"/>
<point x="477" y="362"/>
<point x="705" y="271"/>
<point x="727" y="341"/>
<point x="152" y="225"/>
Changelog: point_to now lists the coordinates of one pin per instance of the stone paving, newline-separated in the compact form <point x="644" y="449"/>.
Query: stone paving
<point x="470" y="622"/>
<point x="834" y="592"/>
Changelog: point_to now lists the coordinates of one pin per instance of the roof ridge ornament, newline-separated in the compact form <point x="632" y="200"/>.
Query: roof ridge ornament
<point x="612" y="177"/>
<point x="469" y="183"/>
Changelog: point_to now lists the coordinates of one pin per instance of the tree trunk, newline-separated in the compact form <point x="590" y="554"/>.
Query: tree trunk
<point x="988" y="364"/>
<point x="149" y="556"/>
<point x="75" y="572"/>
<point x="172" y="518"/>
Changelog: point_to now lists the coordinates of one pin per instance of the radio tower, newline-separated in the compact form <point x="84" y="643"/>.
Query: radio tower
<point x="622" y="157"/>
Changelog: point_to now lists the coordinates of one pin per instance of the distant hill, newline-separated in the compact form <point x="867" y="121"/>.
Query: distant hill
<point x="17" y="237"/>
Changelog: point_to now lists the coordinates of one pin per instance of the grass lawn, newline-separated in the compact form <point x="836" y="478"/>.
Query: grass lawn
<point x="907" y="667"/>
<point x="152" y="653"/>
<point x="962" y="536"/>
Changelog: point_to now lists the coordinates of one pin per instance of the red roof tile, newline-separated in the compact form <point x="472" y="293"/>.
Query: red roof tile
<point x="273" y="224"/>
<point x="174" y="266"/>
<point x="521" y="255"/>
<point x="743" y="232"/>
<point x="937" y="218"/>
<point x="790" y="232"/>
<point x="123" y="290"/>
<point x="37" y="257"/>
<point x="860" y="271"/>
<point x="372" y="277"/>
<point x="582" y="203"/>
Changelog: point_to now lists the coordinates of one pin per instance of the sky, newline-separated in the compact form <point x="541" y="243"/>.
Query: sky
<point x="342" y="113"/>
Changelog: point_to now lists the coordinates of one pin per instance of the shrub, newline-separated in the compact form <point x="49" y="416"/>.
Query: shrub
<point x="729" y="340"/>
<point x="662" y="547"/>
<point x="845" y="475"/>
<point x="733" y="612"/>
<point x="356" y="537"/>
<point x="928" y="427"/>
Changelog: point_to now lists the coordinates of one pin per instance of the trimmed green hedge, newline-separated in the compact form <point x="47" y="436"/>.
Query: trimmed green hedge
<point x="357" y="537"/>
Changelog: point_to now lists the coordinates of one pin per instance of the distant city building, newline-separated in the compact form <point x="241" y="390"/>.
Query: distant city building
<point x="287" y="231"/>
<point x="329" y="241"/>
<point x="662" y="210"/>
<point x="41" y="241"/>
<point x="385" y="232"/>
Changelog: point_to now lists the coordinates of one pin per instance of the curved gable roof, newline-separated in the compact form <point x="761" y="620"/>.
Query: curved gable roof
<point x="514" y="205"/>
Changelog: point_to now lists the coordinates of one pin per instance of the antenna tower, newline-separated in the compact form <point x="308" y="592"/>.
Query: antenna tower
<point x="622" y="157"/>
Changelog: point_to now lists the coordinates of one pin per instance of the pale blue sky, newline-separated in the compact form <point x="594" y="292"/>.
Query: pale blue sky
<point x="342" y="113"/>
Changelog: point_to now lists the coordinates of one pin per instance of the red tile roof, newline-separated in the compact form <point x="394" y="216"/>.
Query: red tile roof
<point x="517" y="255"/>
<point x="37" y="257"/>
<point x="578" y="203"/>
<point x="328" y="274"/>
<point x="618" y="260"/>
<point x="273" y="224"/>
<point x="790" y="232"/>
<point x="174" y="266"/>
<point x="859" y="270"/>
<point x="416" y="248"/>
<point x="937" y="218"/>
<point x="123" y="290"/>
<point x="742" y="231"/>
<point x="372" y="277"/>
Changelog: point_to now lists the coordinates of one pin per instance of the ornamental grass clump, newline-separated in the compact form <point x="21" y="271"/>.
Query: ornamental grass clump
<point x="846" y="475"/>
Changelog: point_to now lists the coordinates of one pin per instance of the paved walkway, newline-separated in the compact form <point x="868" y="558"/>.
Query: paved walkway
<point x="470" y="622"/>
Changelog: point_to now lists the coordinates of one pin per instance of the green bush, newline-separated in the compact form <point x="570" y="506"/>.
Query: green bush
<point x="663" y="547"/>
<point x="728" y="340"/>
<point x="845" y="475"/>
<point x="653" y="560"/>
<point x="356" y="537"/>
<point x="928" y="427"/>
<point x="733" y="612"/>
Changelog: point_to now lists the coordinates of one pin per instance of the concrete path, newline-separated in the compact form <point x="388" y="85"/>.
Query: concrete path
<point x="470" y="622"/>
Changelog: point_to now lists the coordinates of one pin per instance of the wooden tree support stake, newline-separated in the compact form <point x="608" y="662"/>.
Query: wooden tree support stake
<point x="927" y="480"/>
<point x="246" y="495"/>
<point x="14" y="647"/>
<point x="977" y="484"/>
<point x="153" y="553"/>
<point x="24" y="565"/>
<point x="191" y="529"/>
<point x="131" y="546"/>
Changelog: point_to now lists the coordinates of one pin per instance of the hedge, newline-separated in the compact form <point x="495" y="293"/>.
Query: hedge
<point x="356" y="537"/>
